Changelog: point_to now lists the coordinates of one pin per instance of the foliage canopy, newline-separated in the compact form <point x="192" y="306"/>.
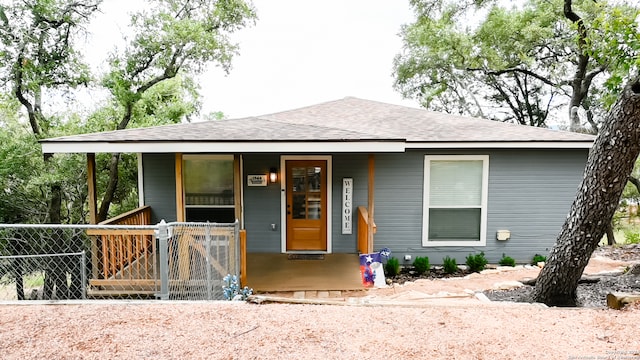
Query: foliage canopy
<point x="518" y="61"/>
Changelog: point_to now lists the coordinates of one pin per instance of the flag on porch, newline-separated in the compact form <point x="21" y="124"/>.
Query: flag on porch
<point x="371" y="268"/>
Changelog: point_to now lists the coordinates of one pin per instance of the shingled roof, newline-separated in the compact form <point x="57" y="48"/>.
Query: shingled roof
<point x="337" y="123"/>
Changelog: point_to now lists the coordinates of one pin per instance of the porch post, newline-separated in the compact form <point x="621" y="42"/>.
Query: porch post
<point x="180" y="215"/>
<point x="93" y="211"/>
<point x="371" y="203"/>
<point x="163" y="249"/>
<point x="237" y="189"/>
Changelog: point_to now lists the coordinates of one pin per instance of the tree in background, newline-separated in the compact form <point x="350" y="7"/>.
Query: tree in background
<point x="518" y="64"/>
<point x="172" y="38"/>
<point x="150" y="79"/>
<point x="38" y="61"/>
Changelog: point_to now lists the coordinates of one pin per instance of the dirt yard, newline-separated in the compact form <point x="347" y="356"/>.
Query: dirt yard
<point x="428" y="319"/>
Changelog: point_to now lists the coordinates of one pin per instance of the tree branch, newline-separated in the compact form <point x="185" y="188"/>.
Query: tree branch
<point x="515" y="70"/>
<point x="33" y="120"/>
<point x="635" y="181"/>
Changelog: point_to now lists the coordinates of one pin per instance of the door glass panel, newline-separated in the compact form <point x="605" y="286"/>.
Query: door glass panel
<point x="306" y="197"/>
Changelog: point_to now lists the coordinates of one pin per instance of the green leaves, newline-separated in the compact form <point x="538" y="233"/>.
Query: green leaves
<point x="515" y="62"/>
<point x="174" y="38"/>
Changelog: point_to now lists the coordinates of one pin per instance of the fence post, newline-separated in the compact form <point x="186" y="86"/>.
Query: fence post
<point x="83" y="274"/>
<point x="207" y="260"/>
<point x="163" y="249"/>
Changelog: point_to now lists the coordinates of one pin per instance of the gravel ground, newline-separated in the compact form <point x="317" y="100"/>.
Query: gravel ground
<point x="439" y="327"/>
<point x="218" y="330"/>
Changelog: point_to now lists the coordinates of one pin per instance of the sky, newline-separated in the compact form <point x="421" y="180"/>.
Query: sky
<point x="298" y="53"/>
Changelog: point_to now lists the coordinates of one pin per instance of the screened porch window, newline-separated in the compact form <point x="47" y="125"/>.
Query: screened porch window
<point x="208" y="188"/>
<point x="455" y="201"/>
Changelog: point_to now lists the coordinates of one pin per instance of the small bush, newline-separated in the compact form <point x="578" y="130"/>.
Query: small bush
<point x="450" y="266"/>
<point x="507" y="261"/>
<point x="392" y="267"/>
<point x="421" y="264"/>
<point x="538" y="258"/>
<point x="232" y="291"/>
<point x="477" y="262"/>
<point x="631" y="237"/>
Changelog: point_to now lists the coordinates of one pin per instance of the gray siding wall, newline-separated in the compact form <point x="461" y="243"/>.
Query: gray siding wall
<point x="160" y="186"/>
<point x="530" y="193"/>
<point x="261" y="205"/>
<point x="354" y="166"/>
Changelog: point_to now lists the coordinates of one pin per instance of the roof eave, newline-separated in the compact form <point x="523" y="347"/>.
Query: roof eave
<point x="56" y="147"/>
<point x="554" y="144"/>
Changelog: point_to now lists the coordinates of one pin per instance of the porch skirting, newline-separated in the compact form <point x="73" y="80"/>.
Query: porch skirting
<point x="275" y="272"/>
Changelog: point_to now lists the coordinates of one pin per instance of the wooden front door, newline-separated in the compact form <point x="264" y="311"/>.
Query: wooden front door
<point x="306" y="205"/>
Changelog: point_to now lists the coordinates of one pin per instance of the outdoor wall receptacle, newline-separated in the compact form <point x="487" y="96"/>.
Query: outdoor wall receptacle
<point x="503" y="235"/>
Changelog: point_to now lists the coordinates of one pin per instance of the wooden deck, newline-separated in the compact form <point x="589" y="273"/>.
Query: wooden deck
<point x="275" y="272"/>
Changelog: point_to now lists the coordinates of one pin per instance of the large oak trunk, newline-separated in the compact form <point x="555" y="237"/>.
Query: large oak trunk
<point x="610" y="162"/>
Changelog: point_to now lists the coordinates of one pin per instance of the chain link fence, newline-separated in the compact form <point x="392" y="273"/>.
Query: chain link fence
<point x="182" y="261"/>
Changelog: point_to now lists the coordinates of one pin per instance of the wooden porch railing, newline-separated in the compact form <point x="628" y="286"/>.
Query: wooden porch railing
<point x="364" y="244"/>
<point x="139" y="216"/>
<point x="124" y="254"/>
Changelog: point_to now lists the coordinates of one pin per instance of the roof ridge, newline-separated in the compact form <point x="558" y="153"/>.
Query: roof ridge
<point x="262" y="117"/>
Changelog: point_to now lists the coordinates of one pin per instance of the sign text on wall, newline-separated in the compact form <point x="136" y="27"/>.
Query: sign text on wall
<point x="347" y="205"/>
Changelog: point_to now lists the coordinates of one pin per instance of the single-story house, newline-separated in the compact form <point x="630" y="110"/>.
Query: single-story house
<point x="308" y="180"/>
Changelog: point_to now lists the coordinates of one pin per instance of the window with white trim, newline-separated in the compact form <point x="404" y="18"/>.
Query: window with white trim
<point x="455" y="200"/>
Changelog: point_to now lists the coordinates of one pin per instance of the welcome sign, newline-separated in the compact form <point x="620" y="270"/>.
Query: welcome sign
<point x="347" y="205"/>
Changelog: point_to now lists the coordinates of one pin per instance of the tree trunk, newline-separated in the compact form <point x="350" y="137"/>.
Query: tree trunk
<point x="17" y="249"/>
<point x="611" y="240"/>
<point x="109" y="193"/>
<point x="610" y="163"/>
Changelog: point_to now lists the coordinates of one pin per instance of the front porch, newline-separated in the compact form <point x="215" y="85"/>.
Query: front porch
<point x="280" y="272"/>
<point x="127" y="261"/>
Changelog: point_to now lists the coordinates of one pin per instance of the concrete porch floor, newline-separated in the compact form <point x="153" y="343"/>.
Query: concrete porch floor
<point x="276" y="273"/>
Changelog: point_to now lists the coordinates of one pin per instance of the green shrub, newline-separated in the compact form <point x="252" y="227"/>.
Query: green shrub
<point x="631" y="237"/>
<point x="421" y="264"/>
<point x="392" y="267"/>
<point x="507" y="261"/>
<point x="538" y="258"/>
<point x="477" y="262"/>
<point x="450" y="266"/>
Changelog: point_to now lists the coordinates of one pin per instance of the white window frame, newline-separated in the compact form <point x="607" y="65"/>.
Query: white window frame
<point x="483" y="208"/>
